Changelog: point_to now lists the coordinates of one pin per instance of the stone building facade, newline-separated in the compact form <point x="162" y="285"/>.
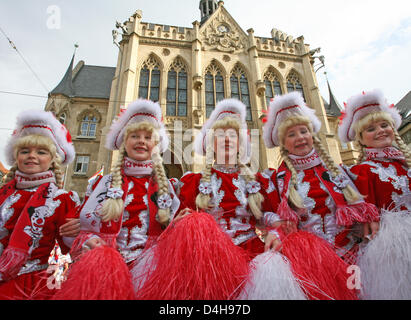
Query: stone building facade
<point x="187" y="70"/>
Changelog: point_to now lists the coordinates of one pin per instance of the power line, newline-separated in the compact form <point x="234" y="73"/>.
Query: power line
<point x="23" y="94"/>
<point x="25" y="61"/>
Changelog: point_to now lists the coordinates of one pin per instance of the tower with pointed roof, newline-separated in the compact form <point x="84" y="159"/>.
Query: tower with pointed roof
<point x="188" y="70"/>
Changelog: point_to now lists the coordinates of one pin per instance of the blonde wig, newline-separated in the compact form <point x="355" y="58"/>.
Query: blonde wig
<point x="113" y="208"/>
<point x="255" y="199"/>
<point x="350" y="195"/>
<point x="39" y="141"/>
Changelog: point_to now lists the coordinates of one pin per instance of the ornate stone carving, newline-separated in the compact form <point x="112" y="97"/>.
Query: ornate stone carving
<point x="219" y="35"/>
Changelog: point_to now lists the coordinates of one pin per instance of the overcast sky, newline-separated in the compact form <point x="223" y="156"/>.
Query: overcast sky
<point x="366" y="43"/>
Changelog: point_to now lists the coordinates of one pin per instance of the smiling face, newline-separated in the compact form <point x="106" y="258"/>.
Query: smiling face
<point x="298" y="140"/>
<point x="377" y="134"/>
<point x="31" y="160"/>
<point x="139" y="145"/>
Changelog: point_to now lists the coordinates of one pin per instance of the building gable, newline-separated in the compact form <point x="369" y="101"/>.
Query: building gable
<point x="221" y="32"/>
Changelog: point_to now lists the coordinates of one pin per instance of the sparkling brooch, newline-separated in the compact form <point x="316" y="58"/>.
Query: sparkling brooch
<point x="253" y="187"/>
<point x="115" y="193"/>
<point x="341" y="181"/>
<point x="205" y="187"/>
<point x="164" y="201"/>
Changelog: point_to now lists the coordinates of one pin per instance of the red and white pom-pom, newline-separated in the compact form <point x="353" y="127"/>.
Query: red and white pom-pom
<point x="99" y="274"/>
<point x="314" y="262"/>
<point x="361" y="212"/>
<point x="194" y="260"/>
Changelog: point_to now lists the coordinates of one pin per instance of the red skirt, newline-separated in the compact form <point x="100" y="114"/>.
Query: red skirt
<point x="38" y="285"/>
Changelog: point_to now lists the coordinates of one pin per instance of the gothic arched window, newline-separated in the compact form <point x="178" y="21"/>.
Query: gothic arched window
<point x="294" y="84"/>
<point x="272" y="86"/>
<point x="62" y="118"/>
<point x="88" y="126"/>
<point x="149" y="87"/>
<point x="177" y="90"/>
<point x="214" y="87"/>
<point x="240" y="90"/>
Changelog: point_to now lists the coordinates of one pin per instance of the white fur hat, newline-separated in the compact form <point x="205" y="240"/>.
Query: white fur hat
<point x="232" y="108"/>
<point x="137" y="111"/>
<point x="45" y="124"/>
<point x="360" y="105"/>
<point x="282" y="108"/>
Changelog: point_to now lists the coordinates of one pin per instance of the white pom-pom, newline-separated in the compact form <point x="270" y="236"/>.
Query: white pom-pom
<point x="385" y="262"/>
<point x="271" y="279"/>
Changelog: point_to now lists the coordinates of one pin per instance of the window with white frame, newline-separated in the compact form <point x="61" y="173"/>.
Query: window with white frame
<point x="88" y="126"/>
<point x="82" y="163"/>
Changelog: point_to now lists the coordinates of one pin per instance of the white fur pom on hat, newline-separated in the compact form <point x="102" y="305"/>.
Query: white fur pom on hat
<point x="282" y="108"/>
<point x="43" y="123"/>
<point x="137" y="111"/>
<point x="360" y="105"/>
<point x="232" y="108"/>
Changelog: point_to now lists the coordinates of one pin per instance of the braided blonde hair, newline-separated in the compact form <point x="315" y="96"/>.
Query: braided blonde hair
<point x="39" y="141"/>
<point x="113" y="208"/>
<point x="254" y="199"/>
<point x="203" y="200"/>
<point x="375" y="117"/>
<point x="350" y="195"/>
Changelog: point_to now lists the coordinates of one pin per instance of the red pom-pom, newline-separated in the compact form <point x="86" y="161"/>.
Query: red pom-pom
<point x="99" y="274"/>
<point x="321" y="271"/>
<point x="285" y="212"/>
<point x="195" y="260"/>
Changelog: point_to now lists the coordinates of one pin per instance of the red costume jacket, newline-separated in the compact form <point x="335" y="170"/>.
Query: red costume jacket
<point x="229" y="197"/>
<point x="384" y="183"/>
<point x="320" y="216"/>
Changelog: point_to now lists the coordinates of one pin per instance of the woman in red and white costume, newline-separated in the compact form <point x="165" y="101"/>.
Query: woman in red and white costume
<point x="136" y="200"/>
<point x="315" y="194"/>
<point x="383" y="177"/>
<point x="34" y="209"/>
<point x="226" y="188"/>
<point x="127" y="208"/>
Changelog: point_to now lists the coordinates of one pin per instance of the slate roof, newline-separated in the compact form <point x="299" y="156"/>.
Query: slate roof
<point x="88" y="82"/>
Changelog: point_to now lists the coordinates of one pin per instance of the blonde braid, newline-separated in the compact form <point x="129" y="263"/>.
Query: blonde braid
<point x="293" y="194"/>
<point x="254" y="199"/>
<point x="403" y="148"/>
<point x="113" y="208"/>
<point x="58" y="173"/>
<point x="11" y="173"/>
<point x="361" y="157"/>
<point x="203" y="200"/>
<point x="350" y="195"/>
<point x="162" y="181"/>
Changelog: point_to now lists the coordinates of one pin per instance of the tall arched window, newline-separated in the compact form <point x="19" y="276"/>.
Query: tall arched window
<point x="272" y="86"/>
<point x="177" y="89"/>
<point x="88" y="126"/>
<point x="240" y="90"/>
<point x="149" y="87"/>
<point x="214" y="87"/>
<point x="294" y="84"/>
